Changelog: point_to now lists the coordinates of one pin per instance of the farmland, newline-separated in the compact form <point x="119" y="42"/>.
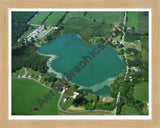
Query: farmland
<point x="24" y="98"/>
<point x="111" y="17"/>
<point x="141" y="91"/>
<point x="39" y="18"/>
<point x="145" y="56"/>
<point x="54" y="18"/>
<point x="132" y="19"/>
<point x="143" y="22"/>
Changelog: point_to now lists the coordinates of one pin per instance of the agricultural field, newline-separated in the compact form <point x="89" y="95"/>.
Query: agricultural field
<point x="39" y="18"/>
<point x="141" y="92"/>
<point x="129" y="111"/>
<point x="132" y="20"/>
<point x="24" y="98"/>
<point x="73" y="15"/>
<point x="143" y="21"/>
<point x="109" y="17"/>
<point x="54" y="18"/>
<point x="145" y="56"/>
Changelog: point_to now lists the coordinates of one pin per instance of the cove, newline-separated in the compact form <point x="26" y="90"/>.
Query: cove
<point x="70" y="50"/>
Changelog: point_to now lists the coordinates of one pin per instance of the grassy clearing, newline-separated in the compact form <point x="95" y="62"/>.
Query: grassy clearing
<point x="143" y="20"/>
<point x="54" y="18"/>
<point x="39" y="18"/>
<point x="129" y="111"/>
<point x="141" y="92"/>
<point x="111" y="17"/>
<point x="132" y="19"/>
<point x="24" y="98"/>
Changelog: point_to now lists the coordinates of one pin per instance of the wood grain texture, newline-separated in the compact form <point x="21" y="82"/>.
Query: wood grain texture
<point x="6" y="4"/>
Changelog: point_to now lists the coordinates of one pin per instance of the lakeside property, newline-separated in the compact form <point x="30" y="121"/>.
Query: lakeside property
<point x="127" y="39"/>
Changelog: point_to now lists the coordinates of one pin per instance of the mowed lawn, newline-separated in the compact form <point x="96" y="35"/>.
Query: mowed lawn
<point x="24" y="98"/>
<point x="39" y="18"/>
<point x="54" y="18"/>
<point x="129" y="111"/>
<point x="132" y="19"/>
<point x="111" y="17"/>
<point x="141" y="92"/>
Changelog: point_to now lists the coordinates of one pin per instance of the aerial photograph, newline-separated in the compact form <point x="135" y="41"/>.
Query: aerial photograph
<point x="79" y="62"/>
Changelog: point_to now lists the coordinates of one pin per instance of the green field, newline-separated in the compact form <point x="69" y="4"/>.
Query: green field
<point x="132" y="19"/>
<point x="145" y="57"/>
<point x="54" y="18"/>
<point x="129" y="111"/>
<point x="24" y="98"/>
<point x="111" y="17"/>
<point x="39" y="18"/>
<point x="143" y="20"/>
<point x="73" y="15"/>
<point x="141" y="92"/>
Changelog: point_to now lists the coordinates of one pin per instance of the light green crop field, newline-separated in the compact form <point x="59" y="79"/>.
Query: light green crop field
<point x="24" y="98"/>
<point x="72" y="15"/>
<point x="132" y="19"/>
<point x="129" y="111"/>
<point x="141" y="91"/>
<point x="143" y="20"/>
<point x="54" y="18"/>
<point x="111" y="17"/>
<point x="39" y="18"/>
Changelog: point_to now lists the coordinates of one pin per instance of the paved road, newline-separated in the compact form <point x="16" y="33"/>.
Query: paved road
<point x="118" y="95"/>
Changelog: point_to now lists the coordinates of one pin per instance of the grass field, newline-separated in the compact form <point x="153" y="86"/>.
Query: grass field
<point x="143" y="22"/>
<point x="145" y="56"/>
<point x="24" y="98"/>
<point x="132" y="19"/>
<point x="39" y="18"/>
<point x="111" y="17"/>
<point x="54" y="18"/>
<point x="141" y="92"/>
<point x="72" y="15"/>
<point x="129" y="111"/>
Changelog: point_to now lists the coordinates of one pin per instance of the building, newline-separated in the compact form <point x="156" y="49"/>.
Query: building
<point x="20" y="75"/>
<point x="75" y="95"/>
<point x="64" y="100"/>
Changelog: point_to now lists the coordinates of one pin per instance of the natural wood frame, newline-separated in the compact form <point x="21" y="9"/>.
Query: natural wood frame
<point x="4" y="62"/>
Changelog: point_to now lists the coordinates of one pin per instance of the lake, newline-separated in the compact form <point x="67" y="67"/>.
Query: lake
<point x="92" y="68"/>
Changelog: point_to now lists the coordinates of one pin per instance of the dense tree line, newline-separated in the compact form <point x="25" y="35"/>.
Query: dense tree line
<point x="27" y="57"/>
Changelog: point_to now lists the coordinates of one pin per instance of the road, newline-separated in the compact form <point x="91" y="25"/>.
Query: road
<point x="118" y="95"/>
<point x="96" y="110"/>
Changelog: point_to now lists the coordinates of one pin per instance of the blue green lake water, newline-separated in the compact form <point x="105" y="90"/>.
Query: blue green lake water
<point x="99" y="69"/>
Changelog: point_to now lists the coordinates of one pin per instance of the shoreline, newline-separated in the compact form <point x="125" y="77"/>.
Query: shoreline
<point x="95" y="87"/>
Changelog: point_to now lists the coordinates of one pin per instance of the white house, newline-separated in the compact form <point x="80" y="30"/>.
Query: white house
<point x="75" y="95"/>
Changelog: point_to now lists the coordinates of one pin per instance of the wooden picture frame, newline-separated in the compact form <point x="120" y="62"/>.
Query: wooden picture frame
<point x="4" y="63"/>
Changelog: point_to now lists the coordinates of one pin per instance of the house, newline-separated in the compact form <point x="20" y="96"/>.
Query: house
<point x="75" y="95"/>
<point x="40" y="75"/>
<point x="64" y="100"/>
<point x="20" y="75"/>
<point x="135" y="44"/>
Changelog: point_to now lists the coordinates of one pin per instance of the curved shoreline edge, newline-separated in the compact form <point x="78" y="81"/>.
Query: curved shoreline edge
<point x="95" y="87"/>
